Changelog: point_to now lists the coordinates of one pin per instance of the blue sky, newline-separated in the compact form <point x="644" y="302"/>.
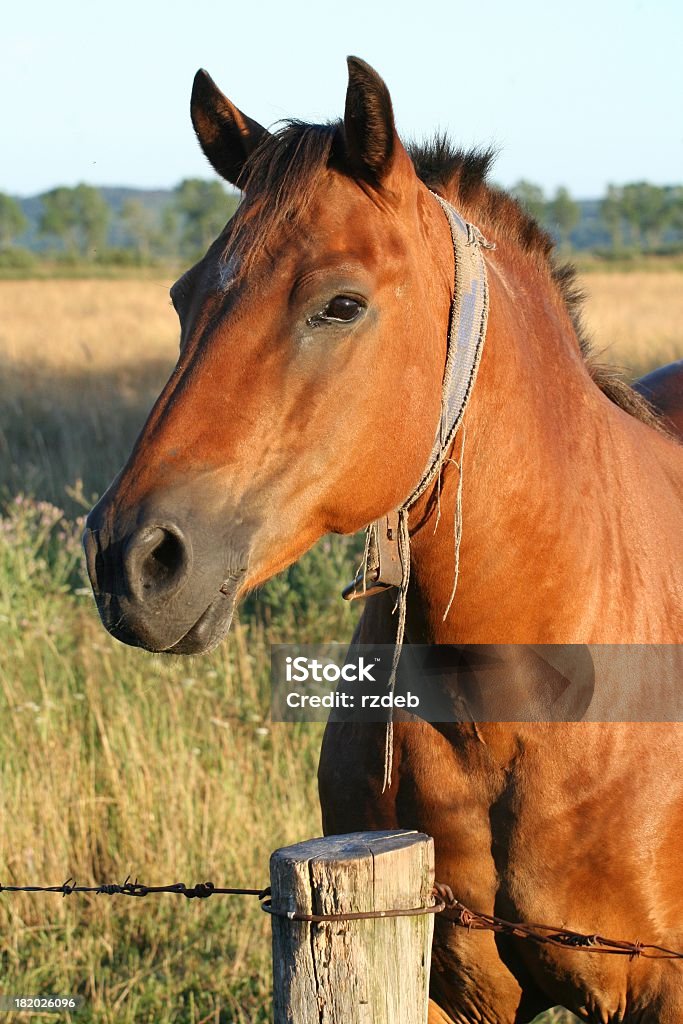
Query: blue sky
<point x="577" y="94"/>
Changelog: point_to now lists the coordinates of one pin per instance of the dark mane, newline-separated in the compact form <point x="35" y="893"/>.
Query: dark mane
<point x="462" y="177"/>
<point x="281" y="176"/>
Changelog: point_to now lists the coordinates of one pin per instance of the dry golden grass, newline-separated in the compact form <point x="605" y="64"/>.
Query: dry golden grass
<point x="81" y="363"/>
<point x="86" y="325"/>
<point x="636" y="318"/>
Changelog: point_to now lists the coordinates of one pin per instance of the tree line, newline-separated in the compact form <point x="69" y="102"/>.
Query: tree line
<point x="638" y="216"/>
<point x="77" y="224"/>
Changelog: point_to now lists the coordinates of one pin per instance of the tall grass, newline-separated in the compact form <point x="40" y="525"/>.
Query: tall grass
<point x="81" y="363"/>
<point x="115" y="761"/>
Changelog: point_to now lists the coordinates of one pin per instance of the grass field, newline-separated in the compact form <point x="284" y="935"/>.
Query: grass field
<point x="116" y="762"/>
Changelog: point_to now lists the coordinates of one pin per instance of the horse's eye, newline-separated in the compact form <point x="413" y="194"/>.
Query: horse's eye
<point x="342" y="308"/>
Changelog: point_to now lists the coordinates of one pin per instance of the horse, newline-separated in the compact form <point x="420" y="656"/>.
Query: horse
<point x="663" y="389"/>
<point x="305" y="400"/>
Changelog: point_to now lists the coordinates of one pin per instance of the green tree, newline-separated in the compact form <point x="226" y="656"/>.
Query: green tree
<point x="611" y="214"/>
<point x="12" y="220"/>
<point x="563" y="214"/>
<point x="169" y="238"/>
<point x="648" y="211"/>
<point x="655" y="213"/>
<point x="58" y="218"/>
<point x="94" y="215"/>
<point x="675" y="204"/>
<point x="532" y="199"/>
<point x="202" y="209"/>
<point x="141" y="227"/>
<point x="78" y="217"/>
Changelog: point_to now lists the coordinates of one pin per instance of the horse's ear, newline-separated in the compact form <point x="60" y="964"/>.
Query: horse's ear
<point x="369" y="131"/>
<point x="226" y="135"/>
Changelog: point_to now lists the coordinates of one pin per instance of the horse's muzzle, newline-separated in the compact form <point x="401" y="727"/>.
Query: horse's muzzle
<point x="163" y="582"/>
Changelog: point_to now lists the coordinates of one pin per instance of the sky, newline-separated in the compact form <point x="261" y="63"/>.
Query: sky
<point x="580" y="94"/>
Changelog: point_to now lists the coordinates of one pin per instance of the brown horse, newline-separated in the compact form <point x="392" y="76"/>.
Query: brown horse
<point x="305" y="400"/>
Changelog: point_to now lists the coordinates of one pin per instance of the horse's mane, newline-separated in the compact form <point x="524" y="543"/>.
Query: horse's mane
<point x="463" y="177"/>
<point x="280" y="180"/>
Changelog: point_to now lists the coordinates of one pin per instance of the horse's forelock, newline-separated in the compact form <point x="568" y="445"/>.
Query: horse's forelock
<point x="279" y="181"/>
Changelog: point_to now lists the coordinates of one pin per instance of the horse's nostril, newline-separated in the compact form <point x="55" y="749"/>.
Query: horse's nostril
<point x="163" y="561"/>
<point x="157" y="562"/>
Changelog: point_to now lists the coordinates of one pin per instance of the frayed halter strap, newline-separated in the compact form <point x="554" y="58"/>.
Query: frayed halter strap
<point x="386" y="559"/>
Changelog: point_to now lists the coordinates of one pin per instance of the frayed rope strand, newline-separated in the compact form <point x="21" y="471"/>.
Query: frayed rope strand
<point x="363" y="568"/>
<point x="457" y="525"/>
<point x="401" y="606"/>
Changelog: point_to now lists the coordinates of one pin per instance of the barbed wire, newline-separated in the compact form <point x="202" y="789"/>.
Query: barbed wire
<point x="551" y="935"/>
<point x="442" y="900"/>
<point x="202" y="890"/>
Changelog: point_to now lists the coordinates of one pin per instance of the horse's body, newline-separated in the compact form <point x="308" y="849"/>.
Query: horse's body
<point x="305" y="400"/>
<point x="663" y="388"/>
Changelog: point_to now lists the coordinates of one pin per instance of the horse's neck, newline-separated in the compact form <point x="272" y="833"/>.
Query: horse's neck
<point x="554" y="521"/>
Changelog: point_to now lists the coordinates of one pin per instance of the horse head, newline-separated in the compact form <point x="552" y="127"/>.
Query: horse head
<point x="307" y="390"/>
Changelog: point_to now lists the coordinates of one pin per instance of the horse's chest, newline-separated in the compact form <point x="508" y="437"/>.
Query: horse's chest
<point x="436" y="789"/>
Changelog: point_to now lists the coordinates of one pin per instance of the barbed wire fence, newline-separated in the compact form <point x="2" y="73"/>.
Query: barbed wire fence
<point x="443" y="901"/>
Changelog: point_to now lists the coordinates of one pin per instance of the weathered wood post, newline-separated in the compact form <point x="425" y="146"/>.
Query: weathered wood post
<point x="372" y="971"/>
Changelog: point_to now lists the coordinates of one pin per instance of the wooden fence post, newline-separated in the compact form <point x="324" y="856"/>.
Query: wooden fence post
<point x="353" y="972"/>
